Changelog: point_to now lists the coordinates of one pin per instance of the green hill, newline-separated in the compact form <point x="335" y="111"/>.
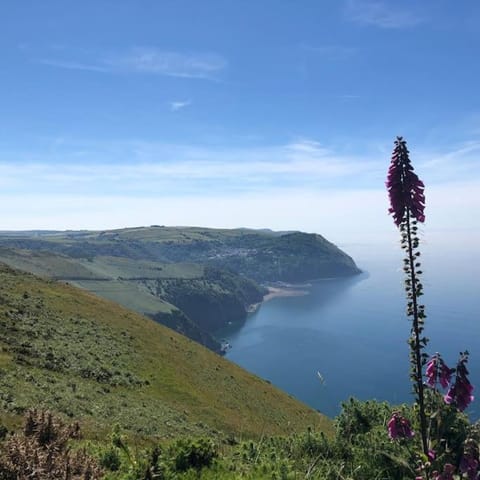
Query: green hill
<point x="193" y="299"/>
<point x="88" y="358"/>
<point x="194" y="280"/>
<point x="262" y="255"/>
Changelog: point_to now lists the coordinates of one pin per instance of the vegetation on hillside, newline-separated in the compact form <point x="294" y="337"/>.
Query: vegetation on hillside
<point x="194" y="280"/>
<point x="214" y="300"/>
<point x="66" y="350"/>
<point x="42" y="451"/>
<point x="360" y="449"/>
<point x="262" y="255"/>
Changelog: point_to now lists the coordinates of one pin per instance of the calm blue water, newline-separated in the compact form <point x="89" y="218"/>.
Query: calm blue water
<point x="354" y="330"/>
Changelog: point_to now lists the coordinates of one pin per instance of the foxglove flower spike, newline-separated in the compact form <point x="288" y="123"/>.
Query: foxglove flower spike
<point x="405" y="189"/>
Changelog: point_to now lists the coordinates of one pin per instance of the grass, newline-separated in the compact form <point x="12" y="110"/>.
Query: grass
<point x="47" y="264"/>
<point x="129" y="294"/>
<point x="128" y="268"/>
<point x="101" y="267"/>
<point x="122" y="280"/>
<point x="158" y="289"/>
<point x="66" y="349"/>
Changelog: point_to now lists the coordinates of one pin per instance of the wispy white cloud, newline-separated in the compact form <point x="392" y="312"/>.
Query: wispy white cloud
<point x="143" y="60"/>
<point x="459" y="161"/>
<point x="73" y="65"/>
<point x="140" y="166"/>
<point x="179" y="105"/>
<point x="175" y="64"/>
<point x="301" y="184"/>
<point x="145" y="166"/>
<point x="379" y="13"/>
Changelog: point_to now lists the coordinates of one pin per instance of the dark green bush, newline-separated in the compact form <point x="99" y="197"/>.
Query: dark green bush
<point x="196" y="454"/>
<point x="111" y="460"/>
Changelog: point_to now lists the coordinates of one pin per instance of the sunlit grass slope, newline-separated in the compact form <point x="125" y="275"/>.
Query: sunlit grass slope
<point x="88" y="358"/>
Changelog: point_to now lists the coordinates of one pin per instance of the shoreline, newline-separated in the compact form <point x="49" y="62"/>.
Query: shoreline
<point x="282" y="289"/>
<point x="286" y="291"/>
<point x="274" y="292"/>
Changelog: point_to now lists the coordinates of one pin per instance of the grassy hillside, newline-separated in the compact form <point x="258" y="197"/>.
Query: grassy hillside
<point x="194" y="280"/>
<point x="88" y="358"/>
<point x="193" y="299"/>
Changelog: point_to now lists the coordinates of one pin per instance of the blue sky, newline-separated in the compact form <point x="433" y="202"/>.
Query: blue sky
<point x="261" y="113"/>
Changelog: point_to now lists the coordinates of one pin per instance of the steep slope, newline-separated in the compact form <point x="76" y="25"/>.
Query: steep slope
<point x="291" y="257"/>
<point x="193" y="299"/>
<point x="68" y="350"/>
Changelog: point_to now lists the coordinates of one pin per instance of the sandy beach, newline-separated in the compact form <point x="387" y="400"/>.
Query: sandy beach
<point x="284" y="292"/>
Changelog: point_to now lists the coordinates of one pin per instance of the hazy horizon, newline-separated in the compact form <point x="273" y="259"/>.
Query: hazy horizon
<point x="219" y="114"/>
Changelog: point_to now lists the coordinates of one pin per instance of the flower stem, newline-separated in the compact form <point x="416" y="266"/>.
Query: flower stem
<point x="416" y="346"/>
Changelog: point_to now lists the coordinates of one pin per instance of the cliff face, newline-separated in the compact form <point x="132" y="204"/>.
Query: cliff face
<point x="178" y="321"/>
<point x="214" y="300"/>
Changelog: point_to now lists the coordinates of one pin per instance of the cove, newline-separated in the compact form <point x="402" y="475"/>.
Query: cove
<point x="354" y="331"/>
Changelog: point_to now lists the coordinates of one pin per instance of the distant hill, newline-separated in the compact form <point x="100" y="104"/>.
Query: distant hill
<point x="65" y="349"/>
<point x="194" y="280"/>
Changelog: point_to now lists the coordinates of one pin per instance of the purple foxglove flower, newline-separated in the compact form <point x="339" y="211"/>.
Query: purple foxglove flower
<point x="437" y="371"/>
<point x="405" y="189"/>
<point x="399" y="427"/>
<point x="445" y="375"/>
<point x="460" y="393"/>
<point x="432" y="371"/>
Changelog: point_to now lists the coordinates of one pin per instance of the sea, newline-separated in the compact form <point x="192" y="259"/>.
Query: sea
<point x="347" y="337"/>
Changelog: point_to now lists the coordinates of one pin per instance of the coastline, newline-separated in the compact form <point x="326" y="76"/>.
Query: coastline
<point x="285" y="291"/>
